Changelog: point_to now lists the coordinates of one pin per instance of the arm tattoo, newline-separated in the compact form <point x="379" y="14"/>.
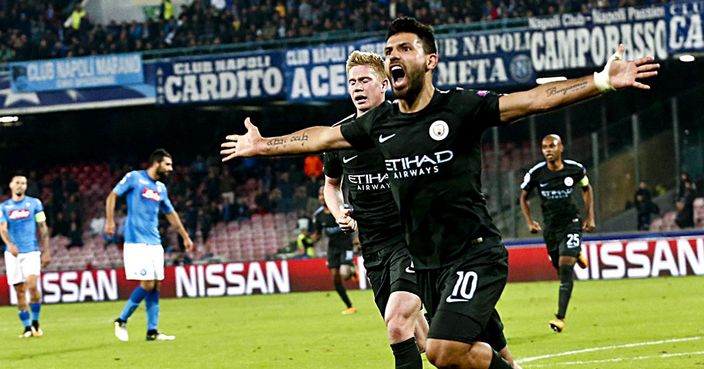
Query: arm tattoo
<point x="552" y="91"/>
<point x="276" y="141"/>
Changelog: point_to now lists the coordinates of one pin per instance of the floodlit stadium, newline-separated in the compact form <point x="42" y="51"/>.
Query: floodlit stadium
<point x="331" y="184"/>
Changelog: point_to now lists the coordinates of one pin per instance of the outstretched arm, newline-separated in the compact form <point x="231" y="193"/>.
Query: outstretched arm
<point x="308" y="140"/>
<point x="617" y="74"/>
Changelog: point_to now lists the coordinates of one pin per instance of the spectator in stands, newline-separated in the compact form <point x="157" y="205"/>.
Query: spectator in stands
<point x="75" y="21"/>
<point x="645" y="208"/>
<point x="685" y="206"/>
<point x="685" y="178"/>
<point x="75" y="233"/>
<point x="167" y="10"/>
<point x="644" y="191"/>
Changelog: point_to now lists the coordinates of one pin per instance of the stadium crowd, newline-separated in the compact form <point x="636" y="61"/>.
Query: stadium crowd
<point x="40" y="29"/>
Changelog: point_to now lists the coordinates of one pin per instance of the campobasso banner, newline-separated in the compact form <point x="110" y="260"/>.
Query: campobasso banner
<point x="245" y="76"/>
<point x="76" y="73"/>
<point x="609" y="259"/>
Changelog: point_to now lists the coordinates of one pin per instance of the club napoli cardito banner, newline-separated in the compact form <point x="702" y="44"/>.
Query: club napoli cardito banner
<point x="609" y="259"/>
<point x="76" y="73"/>
<point x="244" y="76"/>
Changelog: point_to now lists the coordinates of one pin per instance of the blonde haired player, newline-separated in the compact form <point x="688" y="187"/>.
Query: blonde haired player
<point x="19" y="218"/>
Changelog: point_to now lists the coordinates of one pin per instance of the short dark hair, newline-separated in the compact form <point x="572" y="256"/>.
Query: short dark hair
<point x="158" y="156"/>
<point x="411" y="25"/>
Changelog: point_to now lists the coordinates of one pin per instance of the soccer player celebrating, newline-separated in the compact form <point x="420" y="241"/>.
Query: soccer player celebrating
<point x="386" y="258"/>
<point x="555" y="180"/>
<point x="340" y="250"/>
<point x="430" y="141"/>
<point x="19" y="218"/>
<point x="143" y="253"/>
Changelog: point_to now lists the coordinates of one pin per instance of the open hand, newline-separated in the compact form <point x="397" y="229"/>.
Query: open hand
<point x="626" y="73"/>
<point x="241" y="145"/>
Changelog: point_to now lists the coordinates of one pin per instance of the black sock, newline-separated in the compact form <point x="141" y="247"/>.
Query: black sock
<point x="566" y="284"/>
<point x="340" y="288"/>
<point x="407" y="355"/>
<point x="497" y="362"/>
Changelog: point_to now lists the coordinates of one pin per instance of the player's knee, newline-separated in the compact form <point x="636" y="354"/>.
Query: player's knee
<point x="399" y="327"/>
<point x="457" y="354"/>
<point x="148" y="285"/>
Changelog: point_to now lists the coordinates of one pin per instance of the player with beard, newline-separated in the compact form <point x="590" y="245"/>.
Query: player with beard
<point x="20" y="216"/>
<point x="143" y="253"/>
<point x="554" y="180"/>
<point x="431" y="145"/>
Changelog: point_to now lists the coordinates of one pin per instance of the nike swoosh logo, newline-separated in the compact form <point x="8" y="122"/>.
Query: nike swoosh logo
<point x="383" y="139"/>
<point x="543" y="184"/>
<point x="347" y="160"/>
<point x="451" y="299"/>
<point x="410" y="271"/>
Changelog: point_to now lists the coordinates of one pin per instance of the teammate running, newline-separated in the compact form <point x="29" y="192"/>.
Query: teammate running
<point x="19" y="218"/>
<point x="386" y="258"/>
<point x="431" y="145"/>
<point x="143" y="253"/>
<point x="555" y="180"/>
<point x="340" y="250"/>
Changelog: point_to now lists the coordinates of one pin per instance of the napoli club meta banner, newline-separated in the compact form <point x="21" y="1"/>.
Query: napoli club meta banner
<point x="77" y="73"/>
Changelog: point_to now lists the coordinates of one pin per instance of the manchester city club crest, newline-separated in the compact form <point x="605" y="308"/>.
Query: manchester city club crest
<point x="569" y="181"/>
<point x="439" y="130"/>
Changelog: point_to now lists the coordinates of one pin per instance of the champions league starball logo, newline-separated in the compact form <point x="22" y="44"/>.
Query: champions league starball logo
<point x="521" y="69"/>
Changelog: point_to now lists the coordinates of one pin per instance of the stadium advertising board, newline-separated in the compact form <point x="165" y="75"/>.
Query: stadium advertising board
<point x="76" y="73"/>
<point x="685" y="27"/>
<point x="245" y="76"/>
<point x="608" y="259"/>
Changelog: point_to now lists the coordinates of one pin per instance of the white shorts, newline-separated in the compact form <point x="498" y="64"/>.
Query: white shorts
<point x="20" y="266"/>
<point x="144" y="262"/>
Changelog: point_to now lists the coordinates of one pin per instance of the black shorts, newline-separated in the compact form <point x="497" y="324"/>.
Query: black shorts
<point x="563" y="240"/>
<point x="339" y="255"/>
<point x="390" y="270"/>
<point x="461" y="297"/>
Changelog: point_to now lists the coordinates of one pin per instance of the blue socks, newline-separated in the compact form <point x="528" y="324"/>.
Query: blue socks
<point x="152" y="304"/>
<point x="36" y="309"/>
<point x="135" y="299"/>
<point x="24" y="317"/>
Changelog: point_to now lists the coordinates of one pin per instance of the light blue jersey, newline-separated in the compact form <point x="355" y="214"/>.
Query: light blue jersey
<point x="145" y="197"/>
<point x="22" y="218"/>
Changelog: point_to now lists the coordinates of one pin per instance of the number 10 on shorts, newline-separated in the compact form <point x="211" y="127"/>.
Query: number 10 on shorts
<point x="464" y="288"/>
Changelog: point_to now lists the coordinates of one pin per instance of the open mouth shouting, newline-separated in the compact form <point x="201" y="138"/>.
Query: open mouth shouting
<point x="398" y="77"/>
<point x="360" y="99"/>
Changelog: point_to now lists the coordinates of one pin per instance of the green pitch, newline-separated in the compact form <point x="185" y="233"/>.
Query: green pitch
<point x="644" y="324"/>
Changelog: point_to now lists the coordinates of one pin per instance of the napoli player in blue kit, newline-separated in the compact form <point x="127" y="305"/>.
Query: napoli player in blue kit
<point x="19" y="218"/>
<point x="143" y="253"/>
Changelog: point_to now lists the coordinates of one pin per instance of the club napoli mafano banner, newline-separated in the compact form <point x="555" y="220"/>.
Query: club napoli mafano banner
<point x="618" y="258"/>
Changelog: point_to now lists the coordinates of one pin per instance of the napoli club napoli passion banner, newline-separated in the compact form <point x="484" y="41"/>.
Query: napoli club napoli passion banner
<point x="617" y="258"/>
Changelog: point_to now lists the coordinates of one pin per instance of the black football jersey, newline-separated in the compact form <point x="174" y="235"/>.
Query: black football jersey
<point x="433" y="158"/>
<point x="555" y="189"/>
<point x="369" y="192"/>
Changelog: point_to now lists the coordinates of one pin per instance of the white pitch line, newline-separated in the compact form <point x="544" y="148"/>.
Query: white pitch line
<point x="593" y="349"/>
<point x="663" y="356"/>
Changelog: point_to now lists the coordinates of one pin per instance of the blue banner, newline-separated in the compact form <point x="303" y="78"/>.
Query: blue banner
<point x="685" y="27"/>
<point x="76" y="73"/>
<point x="246" y="76"/>
<point x="74" y="99"/>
